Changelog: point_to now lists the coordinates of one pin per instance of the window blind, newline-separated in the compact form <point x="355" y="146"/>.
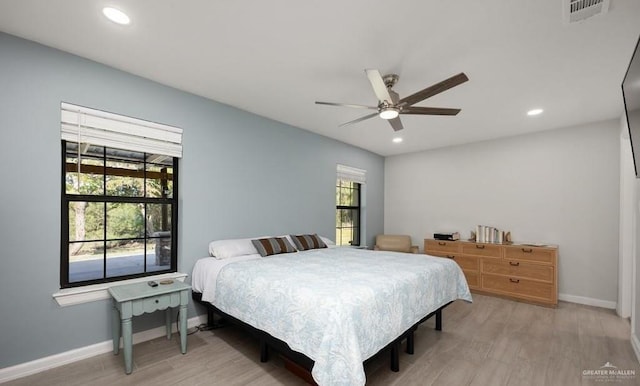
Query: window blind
<point x="350" y="173"/>
<point x="84" y="125"/>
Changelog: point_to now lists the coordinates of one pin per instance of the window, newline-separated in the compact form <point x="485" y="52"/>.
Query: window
<point x="347" y="212"/>
<point x="119" y="203"/>
<point x="349" y="204"/>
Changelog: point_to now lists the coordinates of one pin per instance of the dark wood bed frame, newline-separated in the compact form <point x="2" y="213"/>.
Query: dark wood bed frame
<point x="299" y="363"/>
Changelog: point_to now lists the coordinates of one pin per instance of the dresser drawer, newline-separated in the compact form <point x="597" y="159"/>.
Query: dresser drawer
<point x="441" y="246"/>
<point x="449" y="255"/>
<point x="470" y="263"/>
<point x="480" y="249"/>
<point x="473" y="279"/>
<point x="524" y="288"/>
<point x="520" y="269"/>
<point x="523" y="252"/>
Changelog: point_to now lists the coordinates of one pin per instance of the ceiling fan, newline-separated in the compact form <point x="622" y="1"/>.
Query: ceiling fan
<point x="390" y="106"/>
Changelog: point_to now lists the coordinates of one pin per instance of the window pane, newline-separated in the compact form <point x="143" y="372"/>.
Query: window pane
<point x="86" y="221"/>
<point x="355" y="195"/>
<point x="158" y="220"/>
<point x="159" y="181"/>
<point x="347" y="226"/>
<point x="89" y="179"/>
<point x="125" y="220"/>
<point x="125" y="257"/>
<point x="345" y="196"/>
<point x="345" y="217"/>
<point x="159" y="254"/>
<point x="125" y="173"/>
<point x="86" y="261"/>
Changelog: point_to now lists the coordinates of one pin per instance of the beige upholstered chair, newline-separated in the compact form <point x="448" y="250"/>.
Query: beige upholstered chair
<point x="395" y="243"/>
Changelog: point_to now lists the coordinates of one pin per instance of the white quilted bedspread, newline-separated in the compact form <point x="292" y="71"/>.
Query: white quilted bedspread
<point x="338" y="306"/>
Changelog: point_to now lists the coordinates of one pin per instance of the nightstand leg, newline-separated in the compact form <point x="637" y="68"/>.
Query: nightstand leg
<point x="115" y="329"/>
<point x="127" y="343"/>
<point x="183" y="328"/>
<point x="167" y="321"/>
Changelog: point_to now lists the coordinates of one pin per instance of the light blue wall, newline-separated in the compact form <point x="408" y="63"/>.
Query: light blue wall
<point x="241" y="175"/>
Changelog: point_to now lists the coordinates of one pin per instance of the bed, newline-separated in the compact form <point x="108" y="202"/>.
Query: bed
<point x="333" y="307"/>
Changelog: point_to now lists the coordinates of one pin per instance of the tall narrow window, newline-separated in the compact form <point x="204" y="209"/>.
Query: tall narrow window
<point x="119" y="197"/>
<point x="348" y="205"/>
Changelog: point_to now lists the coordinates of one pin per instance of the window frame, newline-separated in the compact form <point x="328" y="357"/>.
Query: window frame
<point x="356" y="236"/>
<point x="67" y="198"/>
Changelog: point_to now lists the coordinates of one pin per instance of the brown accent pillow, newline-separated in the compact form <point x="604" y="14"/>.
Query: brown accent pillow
<point x="273" y="246"/>
<point x="306" y="242"/>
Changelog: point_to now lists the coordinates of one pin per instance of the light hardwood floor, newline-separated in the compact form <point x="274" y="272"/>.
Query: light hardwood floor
<point x="490" y="342"/>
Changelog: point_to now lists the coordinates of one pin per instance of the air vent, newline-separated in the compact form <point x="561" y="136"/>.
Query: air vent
<point x="578" y="10"/>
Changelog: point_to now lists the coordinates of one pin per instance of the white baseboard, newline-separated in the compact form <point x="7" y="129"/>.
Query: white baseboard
<point x="588" y="301"/>
<point x="46" y="363"/>
<point x="635" y="343"/>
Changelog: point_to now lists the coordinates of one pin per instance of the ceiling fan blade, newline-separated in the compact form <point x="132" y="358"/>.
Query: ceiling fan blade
<point x="378" y="86"/>
<point x="396" y="123"/>
<point x="429" y="111"/>
<point x="358" y="120"/>
<point x="433" y="90"/>
<point x="347" y="105"/>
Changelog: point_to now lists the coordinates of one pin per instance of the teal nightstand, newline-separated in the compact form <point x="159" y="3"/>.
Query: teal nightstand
<point x="136" y="299"/>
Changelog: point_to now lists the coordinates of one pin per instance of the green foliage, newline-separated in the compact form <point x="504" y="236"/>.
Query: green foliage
<point x="125" y="220"/>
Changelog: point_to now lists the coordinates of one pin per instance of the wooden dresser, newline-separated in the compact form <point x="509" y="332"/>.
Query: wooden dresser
<point x="518" y="271"/>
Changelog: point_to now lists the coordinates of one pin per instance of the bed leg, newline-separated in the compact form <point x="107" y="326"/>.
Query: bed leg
<point x="264" y="350"/>
<point x="410" y="342"/>
<point x="395" y="356"/>
<point x="439" y="320"/>
<point x="211" y="321"/>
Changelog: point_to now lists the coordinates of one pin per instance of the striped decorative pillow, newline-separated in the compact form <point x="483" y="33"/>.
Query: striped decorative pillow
<point x="305" y="242"/>
<point x="273" y="246"/>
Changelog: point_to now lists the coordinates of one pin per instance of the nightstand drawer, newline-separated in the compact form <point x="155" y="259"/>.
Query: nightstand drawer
<point x="520" y="287"/>
<point x="523" y="252"/>
<point x="479" y="249"/>
<point x="519" y="269"/>
<point x="441" y="246"/>
<point x="154" y="303"/>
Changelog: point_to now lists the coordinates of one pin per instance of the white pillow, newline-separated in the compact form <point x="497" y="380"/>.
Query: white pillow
<point x="224" y="249"/>
<point x="327" y="241"/>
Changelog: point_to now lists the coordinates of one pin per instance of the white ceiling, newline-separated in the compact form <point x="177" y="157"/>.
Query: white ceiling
<point x="275" y="58"/>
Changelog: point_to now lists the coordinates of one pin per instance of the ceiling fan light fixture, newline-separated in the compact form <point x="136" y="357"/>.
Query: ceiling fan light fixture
<point x="534" y="112"/>
<point x="397" y="140"/>
<point x="389" y="113"/>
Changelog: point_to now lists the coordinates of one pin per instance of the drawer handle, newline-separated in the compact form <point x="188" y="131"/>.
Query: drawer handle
<point x="480" y="246"/>
<point x="441" y="243"/>
<point x="451" y="256"/>
<point x="527" y="250"/>
<point x="517" y="263"/>
<point x="514" y="280"/>
<point x="157" y="301"/>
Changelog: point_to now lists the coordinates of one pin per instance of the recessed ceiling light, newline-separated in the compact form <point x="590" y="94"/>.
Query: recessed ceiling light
<point x="534" y="112"/>
<point x="116" y="15"/>
<point x="397" y="140"/>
